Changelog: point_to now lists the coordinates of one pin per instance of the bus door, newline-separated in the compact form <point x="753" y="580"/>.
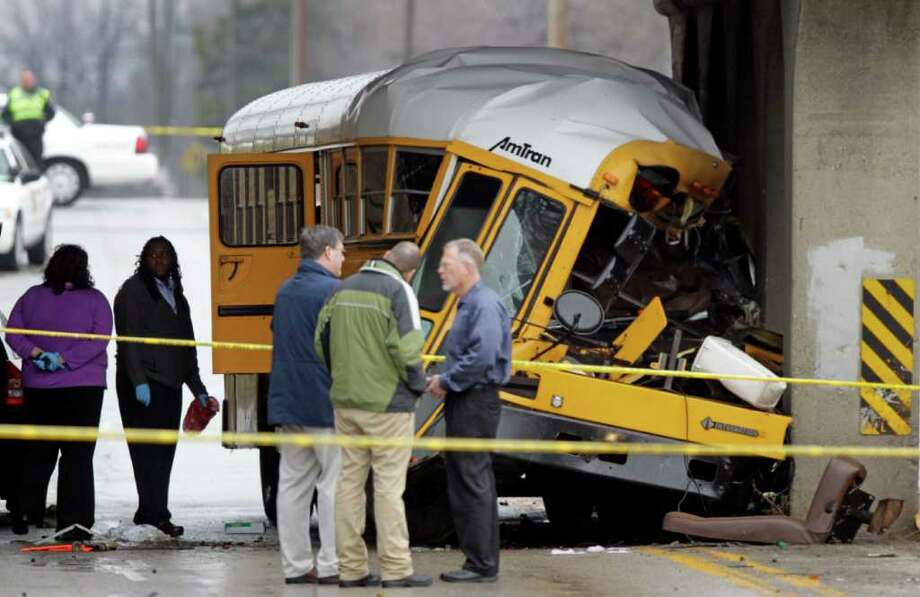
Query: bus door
<point x="519" y="224"/>
<point x="259" y="203"/>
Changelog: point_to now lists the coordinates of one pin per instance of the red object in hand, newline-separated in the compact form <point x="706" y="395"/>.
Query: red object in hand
<point x="197" y="416"/>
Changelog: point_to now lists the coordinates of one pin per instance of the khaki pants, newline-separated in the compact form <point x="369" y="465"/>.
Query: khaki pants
<point x="390" y="466"/>
<point x="303" y="471"/>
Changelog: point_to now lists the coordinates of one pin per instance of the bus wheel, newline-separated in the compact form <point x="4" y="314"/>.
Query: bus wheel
<point x="269" y="460"/>
<point x="632" y="514"/>
<point x="570" y="511"/>
<point x="427" y="506"/>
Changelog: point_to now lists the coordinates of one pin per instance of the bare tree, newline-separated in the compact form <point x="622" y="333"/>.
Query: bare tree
<point x="75" y="50"/>
<point x="113" y="24"/>
<point x="162" y="35"/>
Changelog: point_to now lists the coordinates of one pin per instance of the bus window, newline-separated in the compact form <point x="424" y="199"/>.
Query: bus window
<point x="521" y="245"/>
<point x="415" y="172"/>
<point x="373" y="187"/>
<point x="345" y="189"/>
<point x="260" y="205"/>
<point x="463" y="219"/>
<point x="326" y="174"/>
<point x="350" y="213"/>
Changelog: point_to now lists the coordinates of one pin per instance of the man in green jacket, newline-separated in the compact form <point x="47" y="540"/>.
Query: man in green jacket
<point x="369" y="336"/>
<point x="28" y="108"/>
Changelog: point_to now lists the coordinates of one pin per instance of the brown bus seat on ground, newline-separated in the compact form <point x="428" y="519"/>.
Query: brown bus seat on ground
<point x="841" y="476"/>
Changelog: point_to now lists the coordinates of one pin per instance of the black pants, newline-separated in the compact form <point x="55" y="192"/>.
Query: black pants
<point x="76" y="493"/>
<point x="32" y="139"/>
<point x="152" y="463"/>
<point x="470" y="478"/>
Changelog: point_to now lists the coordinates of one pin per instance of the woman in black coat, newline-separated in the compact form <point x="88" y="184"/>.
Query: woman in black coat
<point x="149" y="378"/>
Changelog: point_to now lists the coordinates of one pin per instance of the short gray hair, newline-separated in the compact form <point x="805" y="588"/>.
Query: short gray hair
<point x="467" y="251"/>
<point x="313" y="241"/>
<point x="405" y="255"/>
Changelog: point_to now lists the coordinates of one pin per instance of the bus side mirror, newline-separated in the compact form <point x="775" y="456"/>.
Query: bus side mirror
<point x="578" y="312"/>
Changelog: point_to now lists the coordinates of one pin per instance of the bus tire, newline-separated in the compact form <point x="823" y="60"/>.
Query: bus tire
<point x="569" y="505"/>
<point x="269" y="461"/>
<point x="427" y="506"/>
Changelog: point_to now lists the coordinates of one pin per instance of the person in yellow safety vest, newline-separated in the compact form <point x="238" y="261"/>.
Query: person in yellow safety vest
<point x="28" y="108"/>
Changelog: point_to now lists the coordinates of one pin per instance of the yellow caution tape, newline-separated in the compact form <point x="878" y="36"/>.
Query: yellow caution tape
<point x="184" y="131"/>
<point x="140" y="339"/>
<point x="445" y="444"/>
<point x="517" y="365"/>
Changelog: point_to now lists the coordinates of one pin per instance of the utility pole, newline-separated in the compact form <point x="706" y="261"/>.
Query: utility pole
<point x="409" y="41"/>
<point x="298" y="42"/>
<point x="557" y="24"/>
<point x="232" y="63"/>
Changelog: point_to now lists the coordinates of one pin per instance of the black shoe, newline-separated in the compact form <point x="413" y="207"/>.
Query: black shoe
<point x="310" y="578"/>
<point x="414" y="580"/>
<point x="466" y="576"/>
<point x="371" y="580"/>
<point x="170" y="529"/>
<point x="20" y="526"/>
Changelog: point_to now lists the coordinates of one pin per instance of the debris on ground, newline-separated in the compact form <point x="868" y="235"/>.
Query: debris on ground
<point x="593" y="549"/>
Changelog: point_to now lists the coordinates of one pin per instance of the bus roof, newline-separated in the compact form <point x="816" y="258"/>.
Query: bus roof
<point x="558" y="111"/>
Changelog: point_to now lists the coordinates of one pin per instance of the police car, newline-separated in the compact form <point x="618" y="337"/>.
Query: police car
<point x="80" y="155"/>
<point x="26" y="202"/>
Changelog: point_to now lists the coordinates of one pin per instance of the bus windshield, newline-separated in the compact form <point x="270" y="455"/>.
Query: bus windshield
<point x="521" y="246"/>
<point x="464" y="219"/>
<point x="517" y="253"/>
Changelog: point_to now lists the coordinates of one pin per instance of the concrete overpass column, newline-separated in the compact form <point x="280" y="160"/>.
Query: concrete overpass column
<point x="855" y="181"/>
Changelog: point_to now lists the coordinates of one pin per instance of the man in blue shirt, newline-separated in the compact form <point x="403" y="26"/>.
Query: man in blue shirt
<point x="478" y="362"/>
<point x="298" y="402"/>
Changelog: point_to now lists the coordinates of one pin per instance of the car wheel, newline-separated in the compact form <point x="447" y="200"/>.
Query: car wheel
<point x="39" y="252"/>
<point x="17" y="257"/>
<point x="67" y="181"/>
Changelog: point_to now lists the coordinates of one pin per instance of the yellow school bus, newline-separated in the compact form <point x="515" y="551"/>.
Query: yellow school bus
<point x="595" y="193"/>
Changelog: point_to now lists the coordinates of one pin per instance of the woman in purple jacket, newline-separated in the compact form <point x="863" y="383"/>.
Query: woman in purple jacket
<point x="63" y="382"/>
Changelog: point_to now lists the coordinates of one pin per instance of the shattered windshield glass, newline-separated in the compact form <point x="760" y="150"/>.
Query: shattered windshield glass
<point x="521" y="245"/>
<point x="464" y="219"/>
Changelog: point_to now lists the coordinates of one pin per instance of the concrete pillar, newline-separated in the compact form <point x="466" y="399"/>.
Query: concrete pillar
<point x="854" y="212"/>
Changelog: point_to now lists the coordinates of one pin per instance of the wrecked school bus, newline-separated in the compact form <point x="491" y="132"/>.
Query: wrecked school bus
<point x="596" y="195"/>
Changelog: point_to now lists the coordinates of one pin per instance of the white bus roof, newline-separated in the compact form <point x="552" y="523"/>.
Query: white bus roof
<point x="558" y="111"/>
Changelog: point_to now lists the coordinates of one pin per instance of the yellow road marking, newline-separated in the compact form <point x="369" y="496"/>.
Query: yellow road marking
<point x="796" y="580"/>
<point x="884" y="335"/>
<point x="888" y="302"/>
<point x="739" y="579"/>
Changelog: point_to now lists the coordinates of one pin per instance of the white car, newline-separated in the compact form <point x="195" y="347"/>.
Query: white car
<point x="26" y="203"/>
<point x="79" y="156"/>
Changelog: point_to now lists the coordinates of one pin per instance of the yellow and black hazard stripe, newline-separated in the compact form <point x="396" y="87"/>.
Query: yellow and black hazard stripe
<point x="887" y="354"/>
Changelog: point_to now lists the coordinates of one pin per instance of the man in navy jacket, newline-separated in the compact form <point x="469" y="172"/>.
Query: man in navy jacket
<point x="298" y="402"/>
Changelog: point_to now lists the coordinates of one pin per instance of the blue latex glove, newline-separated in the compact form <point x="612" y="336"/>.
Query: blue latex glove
<point x="48" y="361"/>
<point x="142" y="394"/>
<point x="203" y="400"/>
